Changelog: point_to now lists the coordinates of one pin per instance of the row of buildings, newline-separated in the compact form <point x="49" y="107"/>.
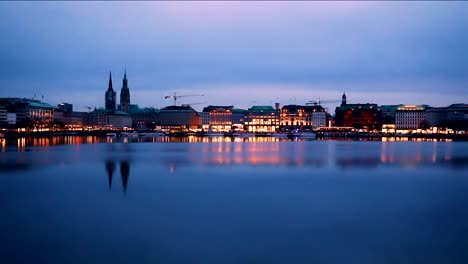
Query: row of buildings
<point x="403" y="118"/>
<point x="33" y="115"/>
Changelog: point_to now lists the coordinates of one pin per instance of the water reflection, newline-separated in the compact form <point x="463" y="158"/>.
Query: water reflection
<point x="124" y="172"/>
<point x="110" y="168"/>
<point x="313" y="154"/>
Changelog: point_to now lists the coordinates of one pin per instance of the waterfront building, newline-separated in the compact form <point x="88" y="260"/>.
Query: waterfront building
<point x="454" y="116"/>
<point x="105" y="119"/>
<point x="457" y="112"/>
<point x="411" y="117"/>
<point x="65" y="107"/>
<point x="388" y="113"/>
<point x="27" y="114"/>
<point x="143" y="118"/>
<point x="3" y="115"/>
<point x="179" y="118"/>
<point x="263" y="119"/>
<point x="303" y="117"/>
<point x="238" y="119"/>
<point x="220" y="117"/>
<point x="436" y="116"/>
<point x="205" y="120"/>
<point x="125" y="95"/>
<point x="457" y="117"/>
<point x="110" y="100"/>
<point x="359" y="116"/>
<point x="68" y="120"/>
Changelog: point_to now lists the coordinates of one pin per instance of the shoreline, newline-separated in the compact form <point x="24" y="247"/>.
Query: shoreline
<point x="102" y="133"/>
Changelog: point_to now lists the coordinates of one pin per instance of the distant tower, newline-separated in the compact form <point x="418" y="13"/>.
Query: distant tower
<point x="110" y="95"/>
<point x="343" y="99"/>
<point x="125" y="95"/>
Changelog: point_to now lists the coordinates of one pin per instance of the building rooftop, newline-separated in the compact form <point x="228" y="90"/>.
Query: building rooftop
<point x="307" y="108"/>
<point x="210" y="108"/>
<point x="30" y="102"/>
<point x="239" y="111"/>
<point x="358" y="106"/>
<point x="261" y="108"/>
<point x="110" y="112"/>
<point x="178" y="108"/>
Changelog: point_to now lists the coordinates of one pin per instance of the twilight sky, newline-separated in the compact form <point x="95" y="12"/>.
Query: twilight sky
<point x="236" y="53"/>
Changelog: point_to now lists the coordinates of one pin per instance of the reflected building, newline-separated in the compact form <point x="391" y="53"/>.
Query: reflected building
<point x="110" y="168"/>
<point x="124" y="173"/>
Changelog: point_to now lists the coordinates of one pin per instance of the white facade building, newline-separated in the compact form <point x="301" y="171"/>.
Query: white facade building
<point x="410" y="117"/>
<point x="319" y="119"/>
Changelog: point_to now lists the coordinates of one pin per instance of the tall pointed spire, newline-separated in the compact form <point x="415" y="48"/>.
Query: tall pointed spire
<point x="125" y="95"/>
<point x="110" y="95"/>
<point x="110" y="82"/>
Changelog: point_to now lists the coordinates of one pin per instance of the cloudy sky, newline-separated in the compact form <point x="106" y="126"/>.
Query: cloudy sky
<point x="236" y="53"/>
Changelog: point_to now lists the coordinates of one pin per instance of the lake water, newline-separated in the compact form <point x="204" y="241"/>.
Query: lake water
<point x="233" y="202"/>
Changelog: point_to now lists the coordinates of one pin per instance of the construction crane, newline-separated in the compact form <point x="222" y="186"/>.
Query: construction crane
<point x="175" y="96"/>
<point x="89" y="108"/>
<point x="318" y="102"/>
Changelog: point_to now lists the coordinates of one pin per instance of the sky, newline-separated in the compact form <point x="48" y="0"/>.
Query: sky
<point x="236" y="53"/>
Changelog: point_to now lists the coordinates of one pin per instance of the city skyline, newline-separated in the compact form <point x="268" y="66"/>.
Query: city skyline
<point x="237" y="53"/>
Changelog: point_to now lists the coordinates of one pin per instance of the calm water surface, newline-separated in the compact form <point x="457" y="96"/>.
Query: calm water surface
<point x="234" y="202"/>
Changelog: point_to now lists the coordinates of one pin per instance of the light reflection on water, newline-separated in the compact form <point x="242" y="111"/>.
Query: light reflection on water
<point x="255" y="151"/>
<point x="270" y="200"/>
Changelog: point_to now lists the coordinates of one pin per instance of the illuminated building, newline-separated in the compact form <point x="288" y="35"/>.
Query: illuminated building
<point x="303" y="117"/>
<point x="454" y="116"/>
<point x="238" y="119"/>
<point x="68" y="120"/>
<point x="220" y="117"/>
<point x="262" y="119"/>
<point x="359" y="116"/>
<point x="65" y="107"/>
<point x="3" y="115"/>
<point x="27" y="114"/>
<point x="410" y="117"/>
<point x="179" y="118"/>
<point x="105" y="119"/>
<point x="205" y="120"/>
<point x="388" y="113"/>
<point x="143" y="118"/>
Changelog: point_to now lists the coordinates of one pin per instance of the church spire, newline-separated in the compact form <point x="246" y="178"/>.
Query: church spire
<point x="110" y="82"/>
<point x="125" y="81"/>
<point x="343" y="99"/>
<point x="110" y="95"/>
<point x="125" y="95"/>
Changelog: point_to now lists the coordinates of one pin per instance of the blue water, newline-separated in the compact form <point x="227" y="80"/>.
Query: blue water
<point x="235" y="202"/>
